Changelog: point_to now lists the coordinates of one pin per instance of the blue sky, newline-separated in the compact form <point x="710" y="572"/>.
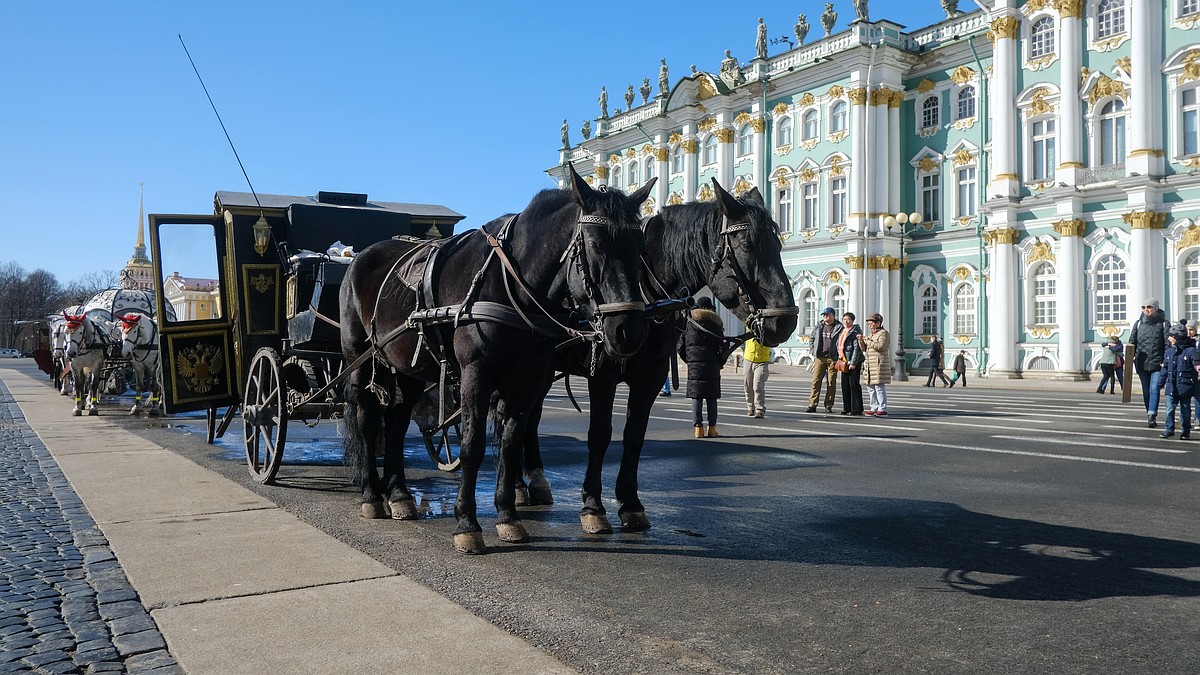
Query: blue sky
<point x="455" y="103"/>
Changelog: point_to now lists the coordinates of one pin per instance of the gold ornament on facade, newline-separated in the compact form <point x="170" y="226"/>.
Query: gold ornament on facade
<point x="964" y="124"/>
<point x="962" y="339"/>
<point x="780" y="109"/>
<point x="614" y="159"/>
<point x="689" y="146"/>
<point x="807" y="99"/>
<point x="1032" y="6"/>
<point x="724" y="135"/>
<point x="200" y="367"/>
<point x="897" y="99"/>
<point x="1038" y="106"/>
<point x="706" y="123"/>
<point x="1104" y="87"/>
<point x="783" y="149"/>
<point x="1109" y="44"/>
<point x="836" y="230"/>
<point x="648" y="207"/>
<point x="1191" y="66"/>
<point x="962" y="274"/>
<point x="809" y="144"/>
<point x="1040" y="331"/>
<point x="647" y="149"/>
<point x="1006" y="27"/>
<point x="705" y="194"/>
<point x="1190" y="238"/>
<point x="781" y="180"/>
<point x="590" y="180"/>
<point x="758" y="124"/>
<point x="1111" y="330"/>
<point x="854" y="262"/>
<point x="1040" y="251"/>
<point x="706" y="90"/>
<point x="963" y="156"/>
<point x="1070" y="228"/>
<point x="630" y="153"/>
<point x="740" y="186"/>
<point x="882" y="262"/>
<point x="662" y="154"/>
<point x="1041" y="62"/>
<point x="857" y="96"/>
<point x="807" y="174"/>
<point x="674" y="138"/>
<point x="837" y="136"/>
<point x="1125" y="64"/>
<point x="602" y="172"/>
<point x="836" y="91"/>
<point x="1003" y="235"/>
<point x="962" y="75"/>
<point x="925" y="86"/>
<point x="1084" y="71"/>
<point x="927" y="164"/>
<point x="1070" y="9"/>
<point x="741" y="118"/>
<point x="1145" y="220"/>
<point x="675" y="199"/>
<point x="835" y="167"/>
<point x="1191" y="162"/>
<point x="881" y="96"/>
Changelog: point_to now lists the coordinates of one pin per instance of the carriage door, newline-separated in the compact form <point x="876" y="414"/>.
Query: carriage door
<point x="195" y="329"/>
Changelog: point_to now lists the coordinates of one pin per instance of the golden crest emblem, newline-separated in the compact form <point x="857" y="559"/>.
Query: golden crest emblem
<point x="200" y="367"/>
<point x="262" y="283"/>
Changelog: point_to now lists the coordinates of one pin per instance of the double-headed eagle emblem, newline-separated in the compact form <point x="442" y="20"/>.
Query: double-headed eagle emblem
<point x="200" y="367"/>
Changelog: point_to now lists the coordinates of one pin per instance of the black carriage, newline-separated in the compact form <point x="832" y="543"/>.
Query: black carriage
<point x="255" y="313"/>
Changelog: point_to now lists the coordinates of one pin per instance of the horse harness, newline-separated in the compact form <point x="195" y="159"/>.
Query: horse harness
<point x="723" y="255"/>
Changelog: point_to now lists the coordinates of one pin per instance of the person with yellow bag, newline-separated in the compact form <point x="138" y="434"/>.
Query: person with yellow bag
<point x="757" y="360"/>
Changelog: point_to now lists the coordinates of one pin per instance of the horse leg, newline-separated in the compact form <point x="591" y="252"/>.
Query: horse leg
<point x="155" y="390"/>
<point x="78" y="388"/>
<point x="508" y="470"/>
<point x="400" y="501"/>
<point x="93" y="393"/>
<point x="642" y="394"/>
<point x="137" y="392"/>
<point x="602" y="389"/>
<point x="537" y="491"/>
<point x="475" y="392"/>
<point x="359" y="444"/>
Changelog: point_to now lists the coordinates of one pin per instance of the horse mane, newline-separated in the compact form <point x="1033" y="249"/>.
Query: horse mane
<point x="612" y="203"/>
<point x="688" y="235"/>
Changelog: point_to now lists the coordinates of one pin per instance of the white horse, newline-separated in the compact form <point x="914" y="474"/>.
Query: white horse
<point x="87" y="346"/>
<point x="139" y="344"/>
<point x="58" y="355"/>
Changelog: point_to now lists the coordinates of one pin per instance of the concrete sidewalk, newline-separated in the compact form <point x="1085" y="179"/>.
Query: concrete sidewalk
<point x="236" y="584"/>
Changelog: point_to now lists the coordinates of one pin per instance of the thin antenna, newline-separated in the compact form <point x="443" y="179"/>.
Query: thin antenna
<point x="222" y="123"/>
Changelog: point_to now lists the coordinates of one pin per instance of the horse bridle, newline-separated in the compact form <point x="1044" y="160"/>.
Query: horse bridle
<point x="756" y="316"/>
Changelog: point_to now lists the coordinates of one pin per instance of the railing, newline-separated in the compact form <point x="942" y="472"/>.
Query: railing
<point x="960" y="26"/>
<point x="640" y="114"/>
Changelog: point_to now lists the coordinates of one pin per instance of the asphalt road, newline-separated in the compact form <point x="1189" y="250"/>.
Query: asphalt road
<point x="979" y="530"/>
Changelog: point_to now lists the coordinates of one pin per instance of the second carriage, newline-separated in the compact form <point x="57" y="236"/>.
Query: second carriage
<point x="255" y="325"/>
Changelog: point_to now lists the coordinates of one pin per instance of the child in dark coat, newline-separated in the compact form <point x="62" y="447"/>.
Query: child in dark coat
<point x="1179" y="375"/>
<point x="701" y="345"/>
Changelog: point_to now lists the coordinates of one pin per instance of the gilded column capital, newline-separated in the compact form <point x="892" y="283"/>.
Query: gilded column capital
<point x="897" y="99"/>
<point x="724" y="135"/>
<point x="1070" y="228"/>
<point x="689" y="145"/>
<point x="1005" y="27"/>
<point x="881" y="96"/>
<point x="858" y="96"/>
<point x="1069" y="9"/>
<point x="662" y="154"/>
<point x="882" y="262"/>
<point x="854" y="262"/>
<point x="758" y="124"/>
<point x="602" y="172"/>
<point x="1145" y="220"/>
<point x="1003" y="235"/>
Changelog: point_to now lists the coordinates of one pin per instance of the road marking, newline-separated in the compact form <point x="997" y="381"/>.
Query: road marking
<point x="1092" y="444"/>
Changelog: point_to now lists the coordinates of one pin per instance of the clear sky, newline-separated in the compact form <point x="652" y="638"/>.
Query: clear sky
<point x="452" y="103"/>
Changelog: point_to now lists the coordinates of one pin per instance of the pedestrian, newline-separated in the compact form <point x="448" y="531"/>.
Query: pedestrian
<point x="701" y="346"/>
<point x="849" y="364"/>
<point x="757" y="364"/>
<point x="937" y="365"/>
<point x="958" y="369"/>
<point x="824" y="339"/>
<point x="876" y="367"/>
<point x="1149" y="340"/>
<point x="1108" y="365"/>
<point x="1179" y="377"/>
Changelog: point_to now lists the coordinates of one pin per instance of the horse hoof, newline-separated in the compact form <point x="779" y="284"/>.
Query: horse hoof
<point x="513" y="533"/>
<point x="92" y="412"/>
<point x="135" y="412"/>
<point x="76" y="413"/>
<point x="469" y="543"/>
<point x="522" y="497"/>
<point x="539" y="490"/>
<point x="595" y="523"/>
<point x="373" y="510"/>
<point x="635" y="520"/>
<point x="405" y="509"/>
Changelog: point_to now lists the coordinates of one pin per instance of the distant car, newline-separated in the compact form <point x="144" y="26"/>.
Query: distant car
<point x="9" y="354"/>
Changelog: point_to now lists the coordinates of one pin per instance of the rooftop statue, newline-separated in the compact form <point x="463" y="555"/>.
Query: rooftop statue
<point x="828" y="19"/>
<point x="801" y="29"/>
<point x="565" y="138"/>
<point x="664" y="81"/>
<point x="586" y="130"/>
<point x="731" y="74"/>
<point x="860" y="8"/>
<point x="603" y="103"/>
<point x="950" y="7"/>
<point x="629" y="96"/>
<point x="760" y="43"/>
<point x="644" y="90"/>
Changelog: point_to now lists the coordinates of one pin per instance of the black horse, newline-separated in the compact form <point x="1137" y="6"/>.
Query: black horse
<point x="731" y="245"/>
<point x="488" y="307"/>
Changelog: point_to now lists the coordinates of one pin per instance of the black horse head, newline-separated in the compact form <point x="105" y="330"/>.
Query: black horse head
<point x="747" y="272"/>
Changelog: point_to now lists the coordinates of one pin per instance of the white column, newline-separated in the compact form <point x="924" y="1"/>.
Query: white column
<point x="725" y="155"/>
<point x="1070" y="119"/>
<point x="1002" y="299"/>
<point x="899" y="166"/>
<point x="690" y="161"/>
<point x="1005" y="178"/>
<point x="1145" y="276"/>
<point x="859" y="146"/>
<point x="1069" y="299"/>
<point x="1145" y="111"/>
<point x="600" y="161"/>
<point x="662" y="169"/>
<point x="758" y="122"/>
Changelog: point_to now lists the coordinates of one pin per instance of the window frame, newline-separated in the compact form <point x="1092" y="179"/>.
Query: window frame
<point x="1189" y="294"/>
<point x="708" y="151"/>
<point x="931" y="116"/>
<point x="966" y="206"/>
<point x="1048" y="154"/>
<point x="1048" y="43"/>
<point x="839" y="201"/>
<point x="929" y="196"/>
<point x="1043" y="294"/>
<point x="810" y="206"/>
<point x="1114" y="16"/>
<point x="961" y="98"/>
<point x="783" y="132"/>
<point x="784" y="215"/>
<point x="965" y="319"/>
<point x="1118" y="121"/>
<point x="1110" y="289"/>
<point x="928" y="316"/>
<point x="839" y="118"/>
<point x="745" y="135"/>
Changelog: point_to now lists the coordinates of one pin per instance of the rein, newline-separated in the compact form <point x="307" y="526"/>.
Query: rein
<point x="755" y="318"/>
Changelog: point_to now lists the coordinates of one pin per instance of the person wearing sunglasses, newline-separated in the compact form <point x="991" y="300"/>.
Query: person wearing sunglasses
<point x="1149" y="339"/>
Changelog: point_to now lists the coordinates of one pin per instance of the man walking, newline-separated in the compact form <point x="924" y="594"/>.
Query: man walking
<point x="1149" y="338"/>
<point x="937" y="363"/>
<point x="757" y="362"/>
<point x="824" y="350"/>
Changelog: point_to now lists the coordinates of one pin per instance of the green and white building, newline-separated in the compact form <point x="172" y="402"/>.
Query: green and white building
<point x="1051" y="147"/>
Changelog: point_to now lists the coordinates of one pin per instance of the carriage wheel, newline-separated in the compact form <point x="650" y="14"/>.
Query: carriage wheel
<point x="211" y="418"/>
<point x="264" y="412"/>
<point x="443" y="446"/>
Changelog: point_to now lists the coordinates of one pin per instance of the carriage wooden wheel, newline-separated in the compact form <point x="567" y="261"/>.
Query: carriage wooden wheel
<point x="264" y="413"/>
<point x="443" y="445"/>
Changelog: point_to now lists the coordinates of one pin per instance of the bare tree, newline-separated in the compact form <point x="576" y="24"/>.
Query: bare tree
<point x="80" y="290"/>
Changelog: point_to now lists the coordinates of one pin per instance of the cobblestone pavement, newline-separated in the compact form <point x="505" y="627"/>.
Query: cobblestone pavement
<point x="65" y="603"/>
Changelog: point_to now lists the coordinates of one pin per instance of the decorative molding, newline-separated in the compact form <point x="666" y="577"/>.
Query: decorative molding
<point x="962" y="75"/>
<point x="675" y="138"/>
<point x="1041" y="331"/>
<point x="724" y="135"/>
<point x="1145" y="220"/>
<point x="927" y="164"/>
<point x="1125" y="64"/>
<point x="835" y="92"/>
<point x="783" y="149"/>
<point x="1041" y="62"/>
<point x="835" y="167"/>
<point x="1191" y="162"/>
<point x="675" y="199"/>
<point x="614" y="159"/>
<point x="854" y="262"/>
<point x="1070" y="228"/>
<point x="740" y="186"/>
<point x="1191" y="66"/>
<point x="838" y="136"/>
<point x="630" y="153"/>
<point x="1104" y="87"/>
<point x="834" y="277"/>
<point x="928" y="132"/>
<point x="964" y="124"/>
<point x="963" y="156"/>
<point x="1111" y="43"/>
<point x="1038" y="252"/>
<point x="1038" y="105"/>
<point x="809" y="144"/>
<point x="758" y="124"/>
<point x="1111" y="329"/>
<point x="925" y="86"/>
<point x="1005" y="27"/>
<point x="882" y="262"/>
<point x="689" y="145"/>
<point x="706" y="124"/>
<point x="1003" y="235"/>
<point x="897" y="99"/>
<point x="808" y="175"/>
<point x="705" y="194"/>
<point x="807" y="99"/>
<point x="1069" y="9"/>
<point x="590" y="180"/>
<point x="780" y="109"/>
<point x="662" y="154"/>
<point x="602" y="172"/>
<point x="742" y="118"/>
<point x="1190" y="238"/>
<point x="858" y="96"/>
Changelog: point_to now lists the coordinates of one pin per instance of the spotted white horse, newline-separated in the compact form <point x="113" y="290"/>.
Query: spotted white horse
<point x="139" y="344"/>
<point x="87" y="348"/>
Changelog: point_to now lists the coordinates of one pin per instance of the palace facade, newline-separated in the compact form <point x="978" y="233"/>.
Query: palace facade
<point x="1050" y="147"/>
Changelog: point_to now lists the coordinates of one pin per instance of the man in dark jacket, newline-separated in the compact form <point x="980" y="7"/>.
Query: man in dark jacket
<point x="823" y="345"/>
<point x="701" y="345"/>
<point x="1149" y="338"/>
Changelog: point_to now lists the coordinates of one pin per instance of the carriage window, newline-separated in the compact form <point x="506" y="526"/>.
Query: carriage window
<point x="191" y="283"/>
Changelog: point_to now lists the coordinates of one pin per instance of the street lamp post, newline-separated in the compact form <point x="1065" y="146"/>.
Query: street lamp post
<point x="903" y="219"/>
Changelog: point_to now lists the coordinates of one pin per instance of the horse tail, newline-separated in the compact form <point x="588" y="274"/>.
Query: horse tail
<point x="354" y="445"/>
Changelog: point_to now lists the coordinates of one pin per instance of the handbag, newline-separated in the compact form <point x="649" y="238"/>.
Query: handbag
<point x="840" y="365"/>
<point x="954" y="376"/>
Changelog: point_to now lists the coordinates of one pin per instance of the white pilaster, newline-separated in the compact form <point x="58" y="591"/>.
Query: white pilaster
<point x="859" y="147"/>
<point x="1145" y="111"/>
<point x="690" y="162"/>
<point x="759" y="146"/>
<point x="1070" y="119"/>
<point x="1006" y="178"/>
<point x="725" y="150"/>
<point x="1069" y="299"/>
<point x="1002" y="300"/>
<point x="662" y="169"/>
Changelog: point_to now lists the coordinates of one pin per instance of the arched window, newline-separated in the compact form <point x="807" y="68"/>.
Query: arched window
<point x="615" y="177"/>
<point x="1041" y="37"/>
<point x="809" y="126"/>
<point x="808" y="311"/>
<point x="1110" y="18"/>
<point x="677" y="159"/>
<point x="710" y="150"/>
<point x="633" y="174"/>
<point x="649" y="167"/>
<point x="1045" y="294"/>
<point x="1112" y="133"/>
<point x="928" y="316"/>
<point x="745" y="140"/>
<point x="1191" y="285"/>
<point x="966" y="103"/>
<point x="929" y="113"/>
<point x="783" y="132"/>
<point x="838" y="300"/>
<point x="1110" y="290"/>
<point x="837" y="117"/>
<point x="964" y="309"/>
